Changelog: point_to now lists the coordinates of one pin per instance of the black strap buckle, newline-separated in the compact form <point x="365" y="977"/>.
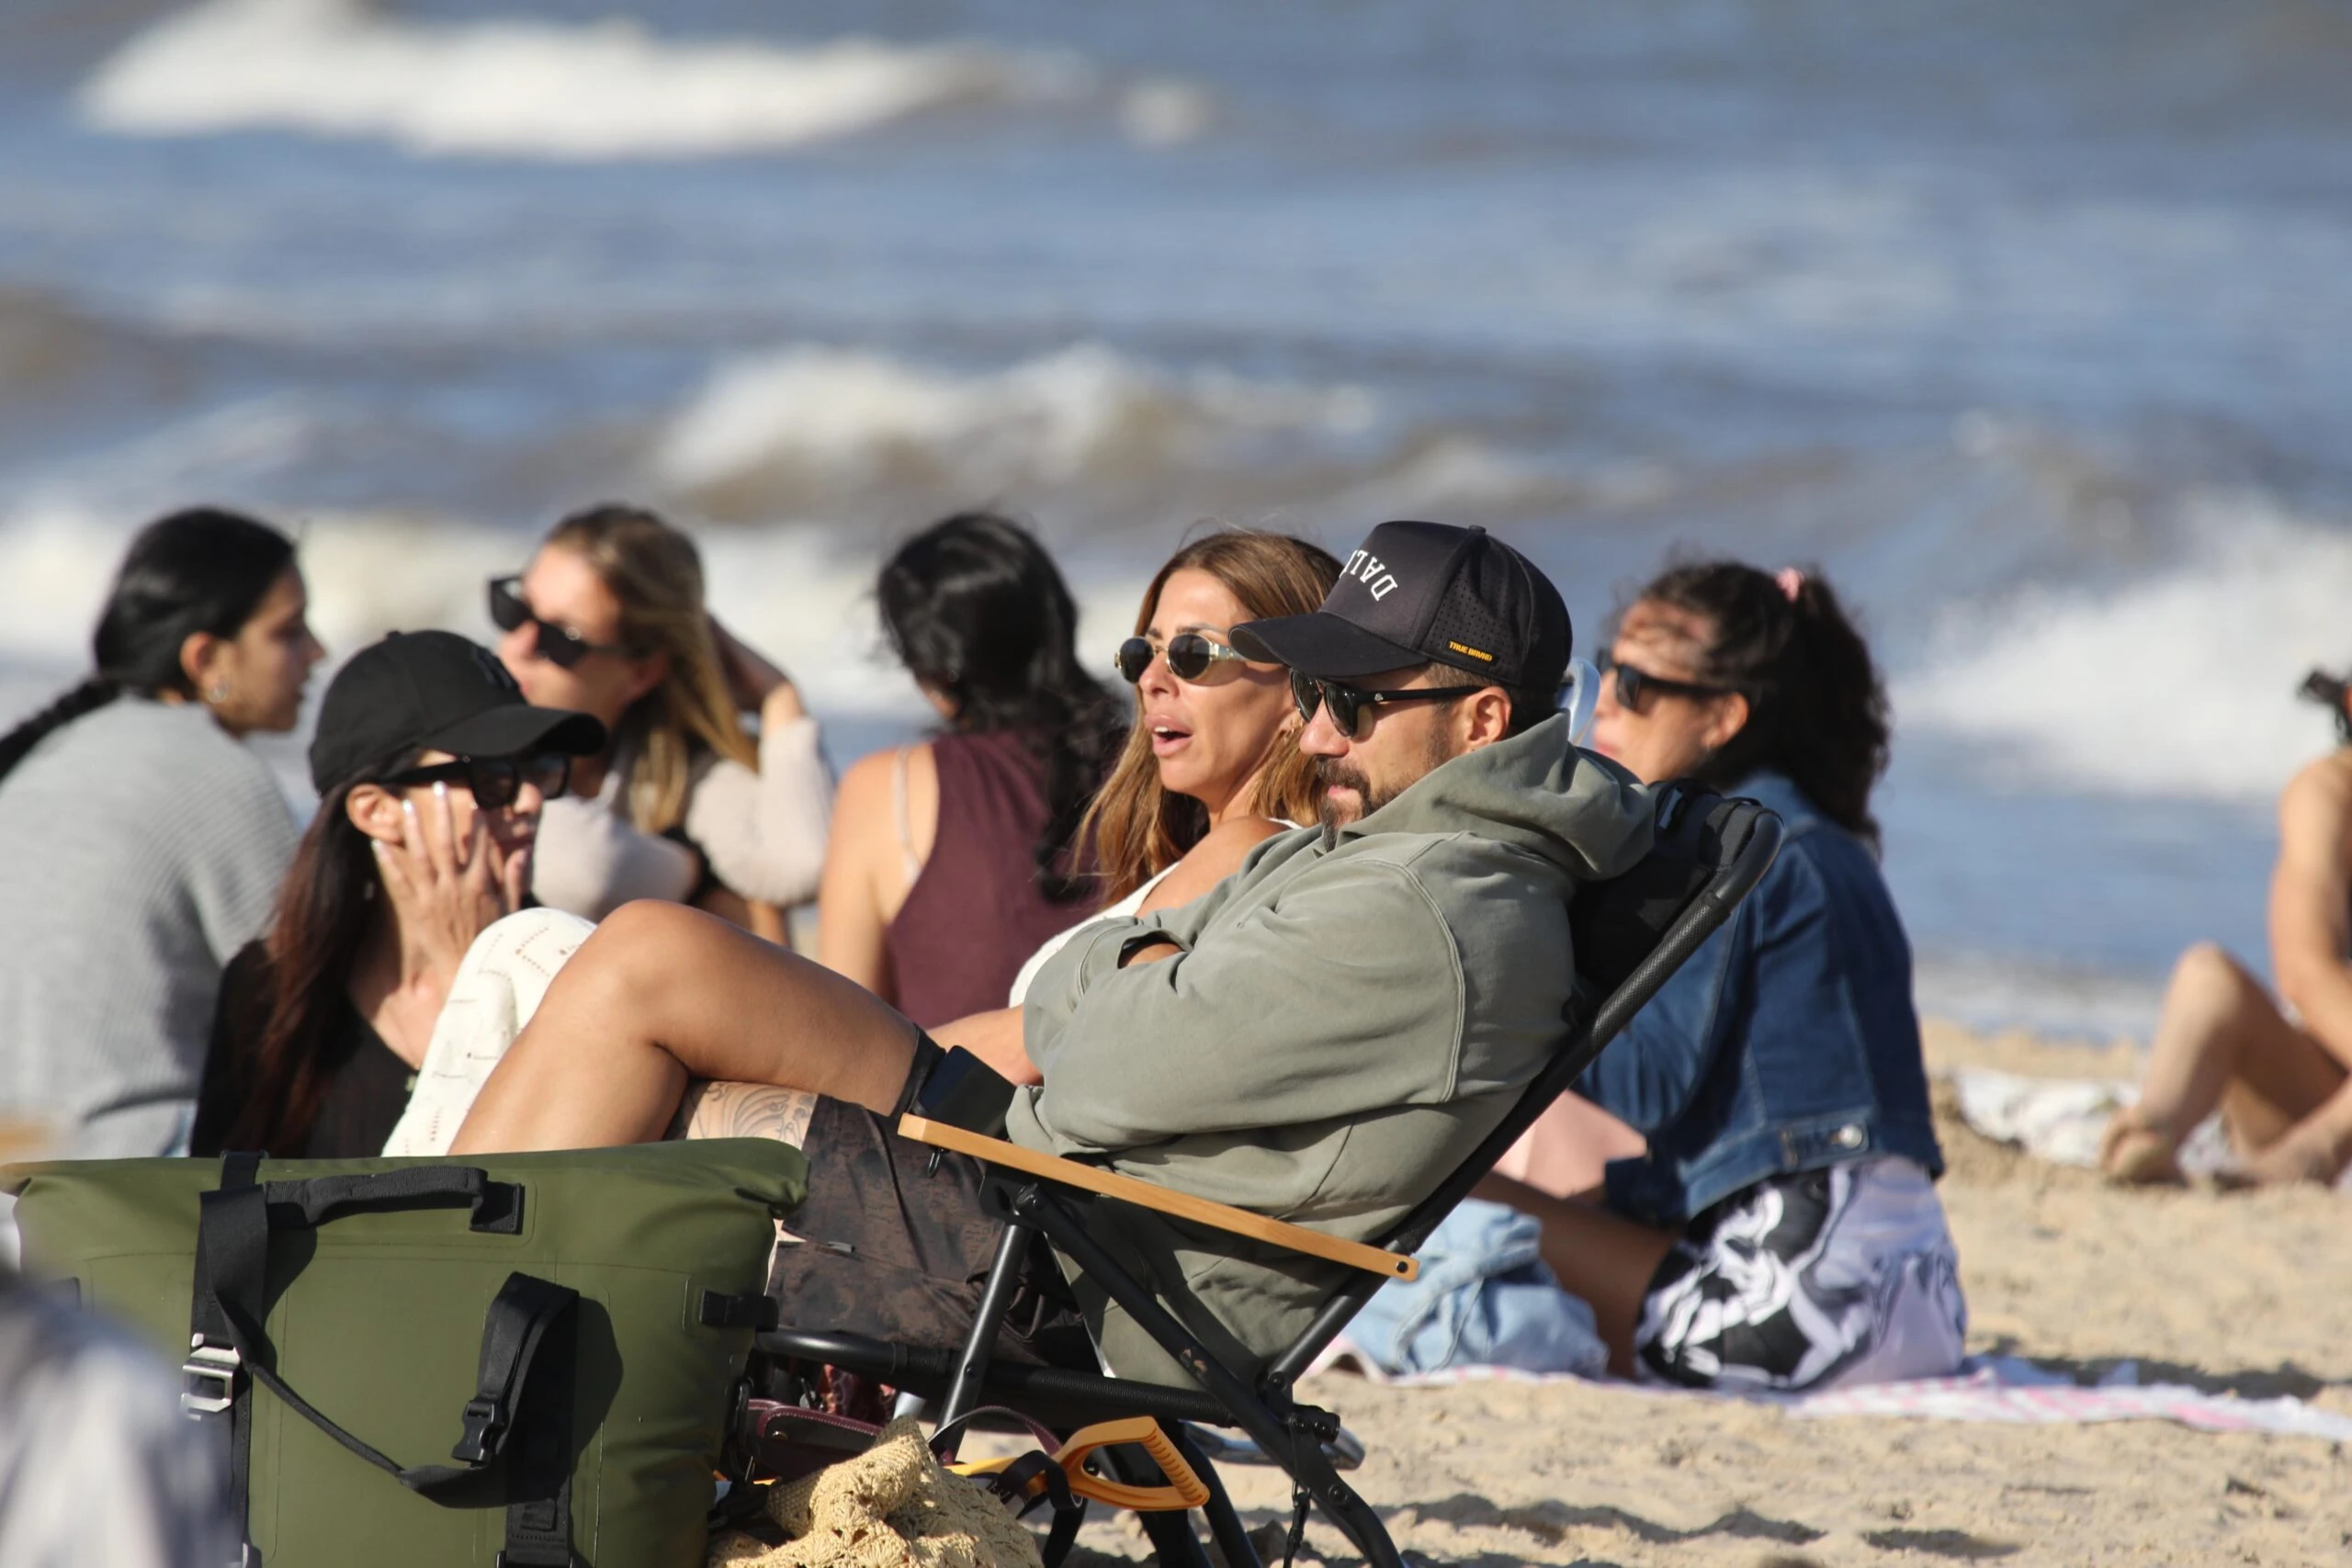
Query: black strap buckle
<point x="485" y="1424"/>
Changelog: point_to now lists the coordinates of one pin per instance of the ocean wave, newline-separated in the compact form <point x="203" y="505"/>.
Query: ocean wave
<point x="538" y="90"/>
<point x="2178" y="683"/>
<point x="812" y="420"/>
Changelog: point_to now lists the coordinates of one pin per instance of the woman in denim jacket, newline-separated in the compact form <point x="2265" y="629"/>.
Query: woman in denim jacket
<point x="1781" y="1229"/>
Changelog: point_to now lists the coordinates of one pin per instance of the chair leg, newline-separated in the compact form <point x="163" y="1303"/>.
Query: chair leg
<point x="1358" y="1523"/>
<point x="1232" y="1538"/>
<point x="1169" y="1532"/>
<point x="996" y="1299"/>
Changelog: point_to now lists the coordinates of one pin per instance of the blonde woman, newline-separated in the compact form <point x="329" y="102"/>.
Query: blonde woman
<point x="608" y="619"/>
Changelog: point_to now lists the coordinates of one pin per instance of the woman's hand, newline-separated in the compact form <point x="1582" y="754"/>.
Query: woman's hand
<point x="447" y="890"/>
<point x="755" y="683"/>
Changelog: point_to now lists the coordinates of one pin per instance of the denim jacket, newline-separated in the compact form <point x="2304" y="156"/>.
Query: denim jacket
<point x="1786" y="1043"/>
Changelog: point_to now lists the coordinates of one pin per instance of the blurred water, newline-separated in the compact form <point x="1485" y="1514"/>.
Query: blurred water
<point x="2025" y="321"/>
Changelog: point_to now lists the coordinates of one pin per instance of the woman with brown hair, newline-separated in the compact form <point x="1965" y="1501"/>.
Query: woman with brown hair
<point x="609" y="619"/>
<point x="1212" y="765"/>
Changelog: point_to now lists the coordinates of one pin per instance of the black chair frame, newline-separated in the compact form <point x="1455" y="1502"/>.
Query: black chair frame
<point x="1724" y="849"/>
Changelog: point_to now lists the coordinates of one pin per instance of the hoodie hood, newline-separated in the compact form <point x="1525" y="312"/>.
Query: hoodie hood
<point x="1536" y="792"/>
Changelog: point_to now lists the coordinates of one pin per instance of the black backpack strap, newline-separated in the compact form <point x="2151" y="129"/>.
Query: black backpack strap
<point x="528" y="1328"/>
<point x="538" y="1450"/>
<point x="232" y="1257"/>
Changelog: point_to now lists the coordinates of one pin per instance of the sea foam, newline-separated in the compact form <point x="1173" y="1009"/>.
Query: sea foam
<point x="832" y="415"/>
<point x="2177" y="682"/>
<point x="537" y="90"/>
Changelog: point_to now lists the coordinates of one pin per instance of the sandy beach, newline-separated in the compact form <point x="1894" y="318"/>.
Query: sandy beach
<point x="2242" y="1292"/>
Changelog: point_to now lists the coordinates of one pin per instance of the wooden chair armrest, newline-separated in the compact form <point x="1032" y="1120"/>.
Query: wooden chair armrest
<point x="1145" y="1195"/>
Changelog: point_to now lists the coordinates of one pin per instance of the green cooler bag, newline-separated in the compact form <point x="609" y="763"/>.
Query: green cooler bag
<point x="517" y="1359"/>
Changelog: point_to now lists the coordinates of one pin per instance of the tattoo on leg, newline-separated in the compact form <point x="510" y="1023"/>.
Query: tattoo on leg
<point x="744" y="1110"/>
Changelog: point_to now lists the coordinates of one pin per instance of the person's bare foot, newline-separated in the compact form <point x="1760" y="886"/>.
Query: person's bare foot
<point x="2137" y="1151"/>
<point x="2305" y="1153"/>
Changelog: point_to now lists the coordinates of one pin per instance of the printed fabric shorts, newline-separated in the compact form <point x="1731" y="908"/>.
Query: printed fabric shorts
<point x="892" y="1242"/>
<point x="1840" y="1276"/>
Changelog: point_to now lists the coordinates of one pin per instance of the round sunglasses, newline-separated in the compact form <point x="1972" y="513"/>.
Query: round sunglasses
<point x="1633" y="685"/>
<point x="495" y="781"/>
<point x="1346" y="703"/>
<point x="1189" y="654"/>
<point x="557" y="645"/>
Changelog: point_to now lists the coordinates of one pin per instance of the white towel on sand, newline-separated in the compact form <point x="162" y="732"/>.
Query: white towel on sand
<point x="2061" y="1120"/>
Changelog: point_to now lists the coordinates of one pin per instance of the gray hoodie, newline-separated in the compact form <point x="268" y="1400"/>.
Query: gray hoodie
<point x="1344" y="1024"/>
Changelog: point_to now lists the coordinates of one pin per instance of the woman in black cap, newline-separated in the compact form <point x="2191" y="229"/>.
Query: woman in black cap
<point x="431" y="770"/>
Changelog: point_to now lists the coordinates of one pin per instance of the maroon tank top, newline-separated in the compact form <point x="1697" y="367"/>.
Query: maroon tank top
<point x="976" y="913"/>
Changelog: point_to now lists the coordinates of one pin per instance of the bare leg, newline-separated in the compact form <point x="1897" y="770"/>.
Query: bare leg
<point x="1569" y="1148"/>
<point x="663" y="994"/>
<point x="2221" y="1042"/>
<point x="1607" y="1259"/>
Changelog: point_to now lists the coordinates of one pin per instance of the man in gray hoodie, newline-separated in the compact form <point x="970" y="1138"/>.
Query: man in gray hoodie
<point x="1319" y="1038"/>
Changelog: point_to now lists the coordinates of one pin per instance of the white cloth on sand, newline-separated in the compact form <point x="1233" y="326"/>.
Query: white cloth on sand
<point x="2061" y="1120"/>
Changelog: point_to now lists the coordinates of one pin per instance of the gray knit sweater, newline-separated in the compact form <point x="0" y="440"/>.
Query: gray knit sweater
<point x="140" y="847"/>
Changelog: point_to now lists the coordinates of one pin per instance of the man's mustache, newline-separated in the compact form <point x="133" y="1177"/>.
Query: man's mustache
<point x="1331" y="772"/>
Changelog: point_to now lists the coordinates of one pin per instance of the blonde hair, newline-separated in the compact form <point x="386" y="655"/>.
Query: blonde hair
<point x="656" y="574"/>
<point x="1138" y="828"/>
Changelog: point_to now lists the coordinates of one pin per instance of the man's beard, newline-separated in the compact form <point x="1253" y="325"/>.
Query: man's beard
<point x="1330" y="771"/>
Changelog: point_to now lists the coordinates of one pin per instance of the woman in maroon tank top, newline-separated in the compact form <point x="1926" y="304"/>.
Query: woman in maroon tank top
<point x="951" y="861"/>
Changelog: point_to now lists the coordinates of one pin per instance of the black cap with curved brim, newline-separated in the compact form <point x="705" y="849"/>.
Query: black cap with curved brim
<point x="1417" y="592"/>
<point x="437" y="692"/>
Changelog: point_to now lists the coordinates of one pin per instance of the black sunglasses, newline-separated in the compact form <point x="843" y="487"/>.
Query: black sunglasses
<point x="1346" y="703"/>
<point x="1190" y="656"/>
<point x="557" y="645"/>
<point x="1633" y="685"/>
<point x="495" y="781"/>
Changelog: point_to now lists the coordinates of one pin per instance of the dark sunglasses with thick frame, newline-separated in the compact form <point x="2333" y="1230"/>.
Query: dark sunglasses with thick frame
<point x="1190" y="657"/>
<point x="1346" y="703"/>
<point x="495" y="781"/>
<point x="557" y="645"/>
<point x="1635" y="685"/>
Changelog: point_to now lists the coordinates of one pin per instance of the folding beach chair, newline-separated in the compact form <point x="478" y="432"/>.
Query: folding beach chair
<point x="1630" y="933"/>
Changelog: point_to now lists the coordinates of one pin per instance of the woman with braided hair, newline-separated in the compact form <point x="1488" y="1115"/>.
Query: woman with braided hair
<point x="143" y="843"/>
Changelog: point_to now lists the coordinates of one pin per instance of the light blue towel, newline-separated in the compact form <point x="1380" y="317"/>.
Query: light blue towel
<point x="1484" y="1299"/>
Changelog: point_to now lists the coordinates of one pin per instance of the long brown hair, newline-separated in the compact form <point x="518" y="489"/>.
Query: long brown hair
<point x="656" y="574"/>
<point x="1138" y="828"/>
<point x="323" y="909"/>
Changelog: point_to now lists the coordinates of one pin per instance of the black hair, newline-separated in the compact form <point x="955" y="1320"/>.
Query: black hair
<point x="325" y="909"/>
<point x="975" y="609"/>
<point x="1816" y="706"/>
<point x="198" y="570"/>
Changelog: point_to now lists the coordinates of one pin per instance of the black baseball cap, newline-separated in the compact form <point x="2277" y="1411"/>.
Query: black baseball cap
<point x="1416" y="591"/>
<point x="434" y="690"/>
